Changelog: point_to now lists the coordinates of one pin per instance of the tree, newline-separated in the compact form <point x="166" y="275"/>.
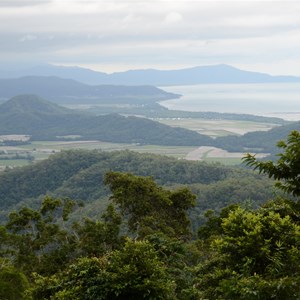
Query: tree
<point x="134" y="272"/>
<point x="179" y="257"/>
<point x="256" y="257"/>
<point x="150" y="208"/>
<point x="256" y="254"/>
<point x="36" y="240"/>
<point x="98" y="237"/>
<point x="13" y="283"/>
<point x="287" y="169"/>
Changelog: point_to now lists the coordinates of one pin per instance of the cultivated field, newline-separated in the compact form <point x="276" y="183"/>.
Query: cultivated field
<point x="215" y="128"/>
<point x="16" y="156"/>
<point x="43" y="149"/>
<point x="218" y="155"/>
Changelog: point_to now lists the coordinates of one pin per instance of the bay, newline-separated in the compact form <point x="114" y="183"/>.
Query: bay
<point x="271" y="99"/>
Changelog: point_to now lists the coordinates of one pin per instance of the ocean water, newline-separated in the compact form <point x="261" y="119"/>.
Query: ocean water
<point x="272" y="99"/>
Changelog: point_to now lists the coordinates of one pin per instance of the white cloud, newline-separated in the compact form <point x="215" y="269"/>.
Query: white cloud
<point x="28" y="37"/>
<point x="22" y="3"/>
<point x="173" y="17"/>
<point x="159" y="32"/>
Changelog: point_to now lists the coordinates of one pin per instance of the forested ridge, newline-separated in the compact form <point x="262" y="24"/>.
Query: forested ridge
<point x="142" y="247"/>
<point x="43" y="120"/>
<point x="78" y="175"/>
<point x="257" y="141"/>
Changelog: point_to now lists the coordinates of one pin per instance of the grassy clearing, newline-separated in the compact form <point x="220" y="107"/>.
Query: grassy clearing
<point x="12" y="163"/>
<point x="213" y="154"/>
<point x="216" y="128"/>
<point x="177" y="152"/>
<point x="229" y="161"/>
<point x="180" y="151"/>
<point x="43" y="149"/>
<point x="89" y="145"/>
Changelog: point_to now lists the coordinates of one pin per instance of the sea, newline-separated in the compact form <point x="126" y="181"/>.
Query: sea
<point x="280" y="100"/>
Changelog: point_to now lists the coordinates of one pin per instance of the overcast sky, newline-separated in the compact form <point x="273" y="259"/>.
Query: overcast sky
<point x="110" y="36"/>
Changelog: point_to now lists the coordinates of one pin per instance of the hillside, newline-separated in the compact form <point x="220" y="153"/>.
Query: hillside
<point x="43" y="120"/>
<point x="31" y="104"/>
<point x="258" y="141"/>
<point x="69" y="91"/>
<point x="114" y="248"/>
<point x="79" y="175"/>
<point x="196" y="75"/>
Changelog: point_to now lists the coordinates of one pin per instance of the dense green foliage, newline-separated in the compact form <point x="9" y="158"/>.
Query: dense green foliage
<point x="136" y="272"/>
<point x="35" y="237"/>
<point x="142" y="247"/>
<point x="13" y="283"/>
<point x="38" y="179"/>
<point x="79" y="175"/>
<point x="255" y="256"/>
<point x="150" y="208"/>
<point x="286" y="169"/>
<point x="61" y="263"/>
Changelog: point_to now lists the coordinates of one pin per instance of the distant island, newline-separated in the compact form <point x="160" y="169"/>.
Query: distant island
<point x="211" y="74"/>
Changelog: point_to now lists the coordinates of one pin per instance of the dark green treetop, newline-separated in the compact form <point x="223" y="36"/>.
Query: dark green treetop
<point x="287" y="169"/>
<point x="149" y="207"/>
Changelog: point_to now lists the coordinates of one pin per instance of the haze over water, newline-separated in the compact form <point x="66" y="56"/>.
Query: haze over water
<point x="273" y="99"/>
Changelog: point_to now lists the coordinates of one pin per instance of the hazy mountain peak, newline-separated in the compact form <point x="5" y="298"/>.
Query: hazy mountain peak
<point x="31" y="104"/>
<point x="218" y="73"/>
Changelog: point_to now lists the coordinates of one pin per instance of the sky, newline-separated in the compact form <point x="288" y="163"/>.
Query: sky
<point x="112" y="36"/>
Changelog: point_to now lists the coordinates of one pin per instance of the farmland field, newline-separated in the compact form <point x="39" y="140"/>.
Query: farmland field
<point x="13" y="163"/>
<point x="177" y="151"/>
<point x="39" y="150"/>
<point x="43" y="149"/>
<point x="215" y="128"/>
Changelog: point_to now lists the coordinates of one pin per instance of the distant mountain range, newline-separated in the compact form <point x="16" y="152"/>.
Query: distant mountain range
<point x="43" y="120"/>
<point x="198" y="75"/>
<point x="69" y="91"/>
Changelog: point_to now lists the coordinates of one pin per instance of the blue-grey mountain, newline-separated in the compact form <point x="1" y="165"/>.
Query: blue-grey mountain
<point x="69" y="91"/>
<point x="197" y="75"/>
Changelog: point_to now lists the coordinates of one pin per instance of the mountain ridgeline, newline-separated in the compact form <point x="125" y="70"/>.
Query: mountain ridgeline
<point x="69" y="91"/>
<point x="258" y="141"/>
<point x="197" y="75"/>
<point x="106" y="99"/>
<point x="43" y="120"/>
<point x="79" y="175"/>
